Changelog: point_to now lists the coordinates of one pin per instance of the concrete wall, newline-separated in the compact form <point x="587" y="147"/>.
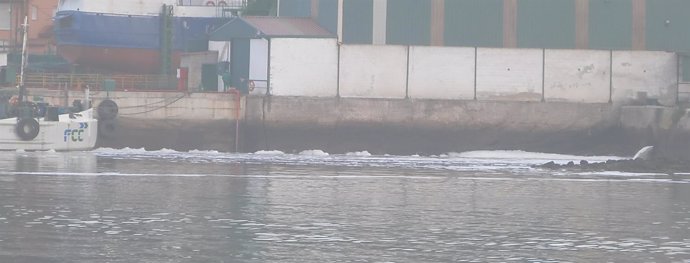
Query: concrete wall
<point x="193" y="62"/>
<point x="304" y="67"/>
<point x="509" y="74"/>
<point x="373" y="71"/>
<point x="653" y="73"/>
<point x="157" y="105"/>
<point x="441" y="73"/>
<point x="577" y="76"/>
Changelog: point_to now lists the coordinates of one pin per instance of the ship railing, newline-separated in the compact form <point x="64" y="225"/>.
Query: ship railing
<point x="238" y="4"/>
<point x="60" y="81"/>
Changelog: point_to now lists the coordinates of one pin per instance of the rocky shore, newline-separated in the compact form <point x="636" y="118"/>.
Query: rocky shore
<point x="657" y="165"/>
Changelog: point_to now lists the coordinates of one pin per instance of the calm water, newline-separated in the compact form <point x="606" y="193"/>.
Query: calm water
<point x="165" y="206"/>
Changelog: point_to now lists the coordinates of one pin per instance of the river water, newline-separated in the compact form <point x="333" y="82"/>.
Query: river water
<point x="132" y="205"/>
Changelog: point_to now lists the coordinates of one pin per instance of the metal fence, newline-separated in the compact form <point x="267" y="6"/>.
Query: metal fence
<point x="97" y="82"/>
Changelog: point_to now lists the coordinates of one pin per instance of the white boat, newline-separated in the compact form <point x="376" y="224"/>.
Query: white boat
<point x="27" y="130"/>
<point x="70" y="132"/>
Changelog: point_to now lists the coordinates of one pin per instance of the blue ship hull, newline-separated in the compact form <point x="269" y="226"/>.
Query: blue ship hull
<point x="129" y="43"/>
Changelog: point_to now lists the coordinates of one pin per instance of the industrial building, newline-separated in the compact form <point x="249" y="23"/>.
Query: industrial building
<point x="655" y="25"/>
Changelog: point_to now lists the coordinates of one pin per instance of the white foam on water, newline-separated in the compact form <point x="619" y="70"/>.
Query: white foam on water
<point x="619" y="173"/>
<point x="523" y="155"/>
<point x="361" y="154"/>
<point x="274" y="152"/>
<point x="314" y="153"/>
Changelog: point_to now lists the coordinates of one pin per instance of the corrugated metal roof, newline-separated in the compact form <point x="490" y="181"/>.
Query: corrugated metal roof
<point x="270" y="27"/>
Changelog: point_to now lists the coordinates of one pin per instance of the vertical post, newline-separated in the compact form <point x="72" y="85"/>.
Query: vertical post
<point x="611" y="76"/>
<point x="437" y="22"/>
<point x="340" y="21"/>
<point x="238" y="108"/>
<point x="543" y="74"/>
<point x="475" y="73"/>
<point x="509" y="23"/>
<point x="639" y="24"/>
<point x="407" y="75"/>
<point x="379" y="20"/>
<point x="268" y="77"/>
<point x="582" y="24"/>
<point x="337" y="84"/>
<point x="678" y="74"/>
<point x="278" y="8"/>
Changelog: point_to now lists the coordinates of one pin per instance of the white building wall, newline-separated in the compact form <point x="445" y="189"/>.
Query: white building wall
<point x="441" y="73"/>
<point x="653" y="73"/>
<point x="304" y="67"/>
<point x="258" y="64"/>
<point x="132" y="7"/>
<point x="3" y="59"/>
<point x="223" y="49"/>
<point x="509" y="74"/>
<point x="577" y="76"/>
<point x="373" y="71"/>
<point x="193" y="62"/>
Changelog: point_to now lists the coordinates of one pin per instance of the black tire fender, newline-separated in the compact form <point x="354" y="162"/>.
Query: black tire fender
<point x="27" y="128"/>
<point x="107" y="110"/>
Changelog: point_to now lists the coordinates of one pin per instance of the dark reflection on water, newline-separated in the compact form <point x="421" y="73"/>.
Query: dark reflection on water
<point x="85" y="207"/>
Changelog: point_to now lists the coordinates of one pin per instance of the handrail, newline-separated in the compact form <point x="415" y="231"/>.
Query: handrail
<point x="95" y="81"/>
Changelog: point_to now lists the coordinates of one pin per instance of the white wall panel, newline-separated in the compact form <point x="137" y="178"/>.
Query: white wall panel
<point x="258" y="61"/>
<point x="3" y="59"/>
<point x="509" y="74"/>
<point x="304" y="67"/>
<point x="373" y="71"/>
<point x="653" y="73"/>
<point x="441" y="73"/>
<point x="577" y="76"/>
<point x="223" y="49"/>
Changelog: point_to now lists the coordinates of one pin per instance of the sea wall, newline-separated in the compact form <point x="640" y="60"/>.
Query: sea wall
<point x="409" y="99"/>
<point x="342" y="125"/>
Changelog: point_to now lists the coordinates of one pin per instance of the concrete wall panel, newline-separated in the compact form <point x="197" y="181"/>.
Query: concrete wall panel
<point x="509" y="74"/>
<point x="577" y="76"/>
<point x="304" y="67"/>
<point x="373" y="71"/>
<point x="638" y="72"/>
<point x="441" y="73"/>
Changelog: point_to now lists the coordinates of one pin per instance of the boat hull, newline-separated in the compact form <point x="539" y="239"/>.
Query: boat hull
<point x="70" y="133"/>
<point x="128" y="43"/>
<point x="121" y="60"/>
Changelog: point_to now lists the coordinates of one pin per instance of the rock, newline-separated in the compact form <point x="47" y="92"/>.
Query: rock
<point x="584" y="162"/>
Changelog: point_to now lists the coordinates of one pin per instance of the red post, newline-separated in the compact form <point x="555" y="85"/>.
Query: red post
<point x="182" y="78"/>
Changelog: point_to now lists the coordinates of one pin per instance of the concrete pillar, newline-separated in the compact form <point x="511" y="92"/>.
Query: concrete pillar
<point x="437" y="22"/>
<point x="380" y="14"/>
<point x="582" y="24"/>
<point x="639" y="27"/>
<point x="510" y="23"/>
<point x="314" y="9"/>
<point x="340" y="21"/>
